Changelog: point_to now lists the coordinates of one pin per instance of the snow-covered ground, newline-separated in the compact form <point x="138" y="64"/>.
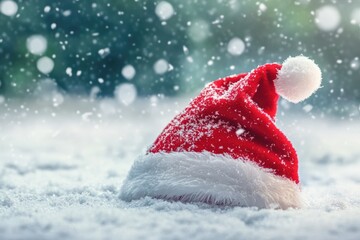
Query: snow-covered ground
<point x="61" y="171"/>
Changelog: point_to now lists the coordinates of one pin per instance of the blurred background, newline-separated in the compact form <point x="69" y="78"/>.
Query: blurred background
<point x="131" y="49"/>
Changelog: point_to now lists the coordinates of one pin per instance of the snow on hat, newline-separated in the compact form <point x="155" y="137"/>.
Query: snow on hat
<point x="225" y="148"/>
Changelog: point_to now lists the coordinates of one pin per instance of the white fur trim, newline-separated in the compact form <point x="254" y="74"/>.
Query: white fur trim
<point x="209" y="178"/>
<point x="298" y="78"/>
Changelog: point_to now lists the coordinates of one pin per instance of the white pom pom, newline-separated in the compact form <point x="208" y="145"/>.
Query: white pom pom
<point x="298" y="78"/>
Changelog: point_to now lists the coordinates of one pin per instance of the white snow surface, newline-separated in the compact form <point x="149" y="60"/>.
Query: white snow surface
<point x="60" y="177"/>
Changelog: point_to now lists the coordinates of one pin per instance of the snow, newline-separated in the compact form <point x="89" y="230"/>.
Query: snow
<point x="355" y="16"/>
<point x="57" y="98"/>
<point x="161" y="66"/>
<point x="128" y="72"/>
<point x="66" y="13"/>
<point x="354" y="64"/>
<point x="104" y="52"/>
<point x="240" y="131"/>
<point x="68" y="71"/>
<point x="47" y="9"/>
<point x="45" y="65"/>
<point x="126" y="93"/>
<point x="36" y="44"/>
<point x="262" y="7"/>
<point x="186" y="50"/>
<point x="8" y="8"/>
<point x="327" y="18"/>
<point x="236" y="46"/>
<point x="164" y="10"/>
<point x="199" y="30"/>
<point x="61" y="176"/>
<point x="307" y="107"/>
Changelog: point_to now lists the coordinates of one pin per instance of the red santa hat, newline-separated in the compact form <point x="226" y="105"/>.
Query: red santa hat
<point x="225" y="148"/>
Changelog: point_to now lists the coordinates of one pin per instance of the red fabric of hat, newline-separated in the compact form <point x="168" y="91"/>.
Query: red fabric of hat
<point x="234" y="116"/>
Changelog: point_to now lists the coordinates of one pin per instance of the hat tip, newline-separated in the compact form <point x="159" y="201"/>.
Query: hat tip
<point x="298" y="78"/>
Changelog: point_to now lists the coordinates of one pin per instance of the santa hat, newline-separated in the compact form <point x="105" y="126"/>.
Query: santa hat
<point x="225" y="148"/>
